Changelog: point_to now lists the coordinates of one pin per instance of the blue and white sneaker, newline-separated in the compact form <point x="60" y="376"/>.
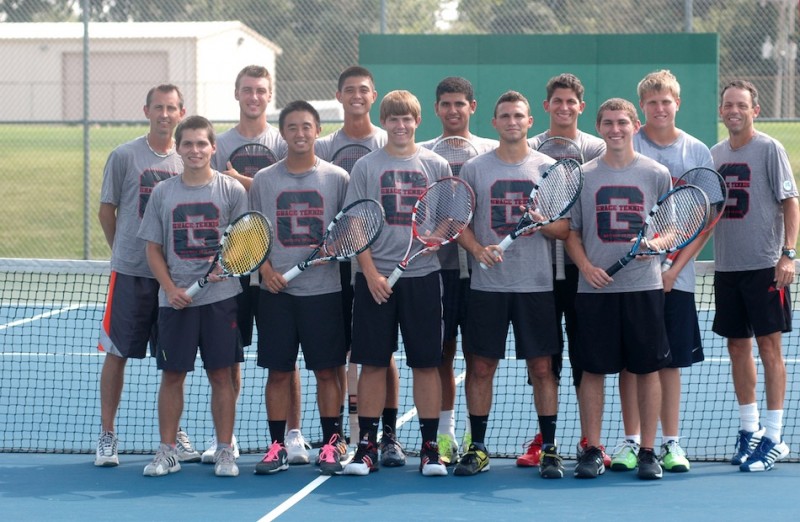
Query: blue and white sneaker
<point x="765" y="455"/>
<point x="745" y="445"/>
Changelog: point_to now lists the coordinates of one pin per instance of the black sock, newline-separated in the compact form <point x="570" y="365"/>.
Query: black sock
<point x="429" y="428"/>
<point x="277" y="430"/>
<point x="547" y="425"/>
<point x="368" y="428"/>
<point x="330" y="426"/>
<point x="389" y="419"/>
<point x="478" y="424"/>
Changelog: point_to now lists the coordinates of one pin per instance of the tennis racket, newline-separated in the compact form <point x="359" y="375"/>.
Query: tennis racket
<point x="347" y="156"/>
<point x="713" y="184"/>
<point x="252" y="157"/>
<point x="551" y="198"/>
<point x="558" y="148"/>
<point x="675" y="220"/>
<point x="457" y="150"/>
<point x="244" y="246"/>
<point x="351" y="232"/>
<point x="440" y="215"/>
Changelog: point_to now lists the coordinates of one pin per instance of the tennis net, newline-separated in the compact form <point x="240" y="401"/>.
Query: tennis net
<point x="50" y="314"/>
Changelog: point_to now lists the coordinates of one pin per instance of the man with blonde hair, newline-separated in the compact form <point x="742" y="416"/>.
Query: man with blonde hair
<point x="395" y="175"/>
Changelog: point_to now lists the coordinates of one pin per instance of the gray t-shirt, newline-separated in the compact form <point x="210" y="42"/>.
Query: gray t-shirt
<point x="612" y="208"/>
<point x="685" y="153"/>
<point x="130" y="175"/>
<point x="230" y="140"/>
<point x="448" y="255"/>
<point x="188" y="223"/>
<point x="300" y="207"/>
<point x="500" y="189"/>
<point x="751" y="234"/>
<point x="397" y="183"/>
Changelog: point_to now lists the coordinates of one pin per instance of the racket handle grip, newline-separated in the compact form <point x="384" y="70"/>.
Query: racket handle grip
<point x="616" y="267"/>
<point x="560" y="262"/>
<point x="667" y="264"/>
<point x="463" y="263"/>
<point x="392" y="279"/>
<point x="192" y="290"/>
<point x="504" y="244"/>
<point x="292" y="273"/>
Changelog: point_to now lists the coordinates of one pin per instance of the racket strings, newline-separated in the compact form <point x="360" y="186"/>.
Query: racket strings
<point x="557" y="191"/>
<point x="354" y="232"/>
<point x="559" y="149"/>
<point x="245" y="245"/>
<point x="710" y="182"/>
<point x="443" y="212"/>
<point x="347" y="156"/>
<point x="456" y="152"/>
<point x="678" y="219"/>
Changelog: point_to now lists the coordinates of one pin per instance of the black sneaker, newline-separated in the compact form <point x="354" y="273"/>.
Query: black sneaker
<point x="649" y="468"/>
<point x="550" y="464"/>
<point x="474" y="461"/>
<point x="590" y="464"/>
<point x="365" y="461"/>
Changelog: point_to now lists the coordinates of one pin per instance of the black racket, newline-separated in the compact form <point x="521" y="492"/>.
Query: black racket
<point x="351" y="232"/>
<point x="252" y="157"/>
<point x="440" y="215"/>
<point x="550" y="199"/>
<point x="674" y="221"/>
<point x="713" y="184"/>
<point x="244" y="246"/>
<point x="347" y="156"/>
<point x="558" y="148"/>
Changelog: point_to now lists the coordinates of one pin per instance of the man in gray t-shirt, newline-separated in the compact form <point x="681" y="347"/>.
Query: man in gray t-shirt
<point x="183" y="225"/>
<point x="300" y="195"/>
<point x="754" y="250"/>
<point x="516" y="286"/>
<point x="455" y="105"/>
<point x="660" y="139"/>
<point x="253" y="92"/>
<point x="564" y="104"/>
<point x="129" y="177"/>
<point x="621" y="322"/>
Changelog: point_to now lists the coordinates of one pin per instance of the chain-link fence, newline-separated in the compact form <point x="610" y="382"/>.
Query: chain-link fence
<point x="306" y="43"/>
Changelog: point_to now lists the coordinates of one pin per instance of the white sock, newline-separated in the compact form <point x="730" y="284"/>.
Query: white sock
<point x="748" y="413"/>
<point x="635" y="438"/>
<point x="667" y="438"/>
<point x="447" y="424"/>
<point x="773" y="422"/>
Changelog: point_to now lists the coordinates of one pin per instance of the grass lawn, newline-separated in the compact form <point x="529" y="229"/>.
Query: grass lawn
<point x="42" y="184"/>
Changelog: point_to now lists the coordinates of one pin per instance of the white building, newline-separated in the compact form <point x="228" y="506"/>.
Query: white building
<point x="43" y="64"/>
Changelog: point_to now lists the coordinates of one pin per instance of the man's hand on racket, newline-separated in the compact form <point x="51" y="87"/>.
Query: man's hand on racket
<point x="594" y="275"/>
<point x="489" y="255"/>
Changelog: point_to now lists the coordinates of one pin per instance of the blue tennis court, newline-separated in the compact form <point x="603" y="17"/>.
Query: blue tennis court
<point x="49" y="369"/>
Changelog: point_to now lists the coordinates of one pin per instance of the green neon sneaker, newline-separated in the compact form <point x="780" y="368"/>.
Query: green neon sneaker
<point x="448" y="448"/>
<point x="673" y="458"/>
<point x="625" y="456"/>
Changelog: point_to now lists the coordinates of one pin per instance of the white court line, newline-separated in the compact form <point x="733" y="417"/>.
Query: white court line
<point x="40" y="316"/>
<point x="317" y="482"/>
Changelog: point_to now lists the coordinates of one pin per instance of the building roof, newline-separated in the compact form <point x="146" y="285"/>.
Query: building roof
<point x="127" y="30"/>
